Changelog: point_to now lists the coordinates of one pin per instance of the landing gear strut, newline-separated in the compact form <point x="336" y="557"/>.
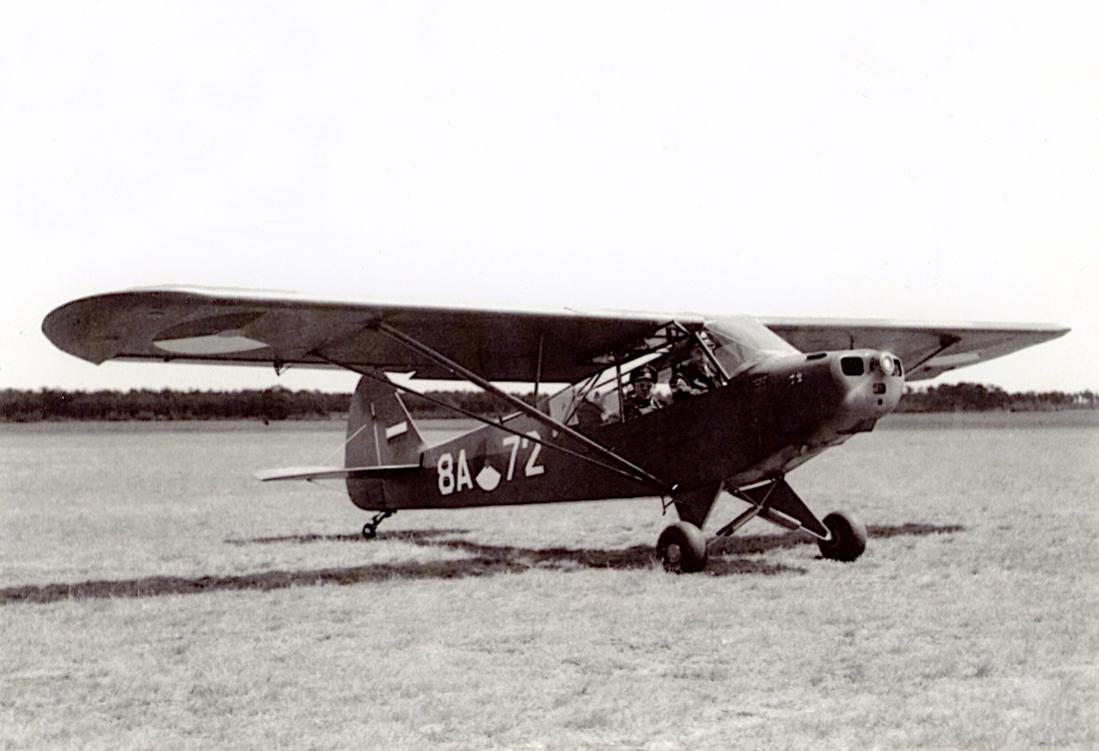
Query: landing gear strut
<point x="841" y="537"/>
<point x="370" y="529"/>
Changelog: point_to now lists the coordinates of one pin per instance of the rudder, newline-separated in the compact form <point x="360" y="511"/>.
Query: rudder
<point x="380" y="430"/>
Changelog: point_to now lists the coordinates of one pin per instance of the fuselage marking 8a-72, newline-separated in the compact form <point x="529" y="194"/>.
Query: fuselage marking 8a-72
<point x="453" y="474"/>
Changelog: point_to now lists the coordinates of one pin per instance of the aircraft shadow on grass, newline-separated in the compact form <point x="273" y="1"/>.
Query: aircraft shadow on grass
<point x="730" y="555"/>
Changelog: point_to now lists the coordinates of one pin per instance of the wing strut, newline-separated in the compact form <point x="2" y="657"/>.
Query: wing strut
<point x="538" y="373"/>
<point x="457" y="369"/>
<point x="946" y="341"/>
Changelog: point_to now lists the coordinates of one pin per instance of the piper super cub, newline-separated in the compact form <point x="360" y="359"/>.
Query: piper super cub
<point x="676" y="406"/>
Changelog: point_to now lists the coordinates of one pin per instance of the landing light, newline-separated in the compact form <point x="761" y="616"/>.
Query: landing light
<point x="885" y="360"/>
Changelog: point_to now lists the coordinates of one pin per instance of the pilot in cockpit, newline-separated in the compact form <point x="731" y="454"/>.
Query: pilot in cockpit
<point x="693" y="376"/>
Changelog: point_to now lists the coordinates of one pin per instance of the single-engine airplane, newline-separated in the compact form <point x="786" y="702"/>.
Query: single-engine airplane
<point x="676" y="406"/>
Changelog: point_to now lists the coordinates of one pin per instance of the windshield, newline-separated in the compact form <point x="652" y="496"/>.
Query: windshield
<point x="735" y="341"/>
<point x="743" y="340"/>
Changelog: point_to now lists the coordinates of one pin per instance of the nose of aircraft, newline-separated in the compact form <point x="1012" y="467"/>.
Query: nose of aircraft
<point x="872" y="381"/>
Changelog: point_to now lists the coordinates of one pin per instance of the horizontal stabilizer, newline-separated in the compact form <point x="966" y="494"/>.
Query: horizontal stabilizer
<point x="337" y="473"/>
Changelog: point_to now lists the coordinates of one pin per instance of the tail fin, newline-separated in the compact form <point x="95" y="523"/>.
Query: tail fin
<point x="379" y="429"/>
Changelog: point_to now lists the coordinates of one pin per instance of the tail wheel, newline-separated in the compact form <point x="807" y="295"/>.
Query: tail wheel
<point x="370" y="529"/>
<point x="682" y="548"/>
<point x="847" y="537"/>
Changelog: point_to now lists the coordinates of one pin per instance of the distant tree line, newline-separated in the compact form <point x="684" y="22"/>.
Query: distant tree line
<point x="282" y="404"/>
<point x="269" y="404"/>
<point x="974" y="397"/>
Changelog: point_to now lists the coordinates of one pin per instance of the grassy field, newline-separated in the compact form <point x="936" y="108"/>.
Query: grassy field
<point x="154" y="595"/>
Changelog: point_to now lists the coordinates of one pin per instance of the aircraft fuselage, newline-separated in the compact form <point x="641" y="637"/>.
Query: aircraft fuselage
<point x="766" y="420"/>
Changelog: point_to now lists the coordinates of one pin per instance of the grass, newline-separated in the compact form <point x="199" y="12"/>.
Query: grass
<point x="153" y="595"/>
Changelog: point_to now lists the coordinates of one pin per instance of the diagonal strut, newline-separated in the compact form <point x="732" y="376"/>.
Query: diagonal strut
<point x="499" y="426"/>
<point x="459" y="370"/>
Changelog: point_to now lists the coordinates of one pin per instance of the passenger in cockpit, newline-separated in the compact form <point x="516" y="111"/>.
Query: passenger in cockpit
<point x="589" y="412"/>
<point x="693" y="376"/>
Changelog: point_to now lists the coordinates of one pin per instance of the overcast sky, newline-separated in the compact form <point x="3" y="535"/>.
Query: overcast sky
<point x="934" y="161"/>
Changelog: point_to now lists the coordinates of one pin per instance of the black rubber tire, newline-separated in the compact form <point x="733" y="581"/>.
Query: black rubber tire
<point x="370" y="531"/>
<point x="848" y="540"/>
<point x="681" y="547"/>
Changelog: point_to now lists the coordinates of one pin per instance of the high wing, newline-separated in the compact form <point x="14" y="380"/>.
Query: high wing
<point x="926" y="349"/>
<point x="180" y="324"/>
<point x="175" y="324"/>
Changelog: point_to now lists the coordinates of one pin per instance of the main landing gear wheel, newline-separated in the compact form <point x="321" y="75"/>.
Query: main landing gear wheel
<point x="682" y="548"/>
<point x="847" y="537"/>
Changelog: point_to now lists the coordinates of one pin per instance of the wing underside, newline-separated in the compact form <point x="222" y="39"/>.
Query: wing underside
<point x="242" y="328"/>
